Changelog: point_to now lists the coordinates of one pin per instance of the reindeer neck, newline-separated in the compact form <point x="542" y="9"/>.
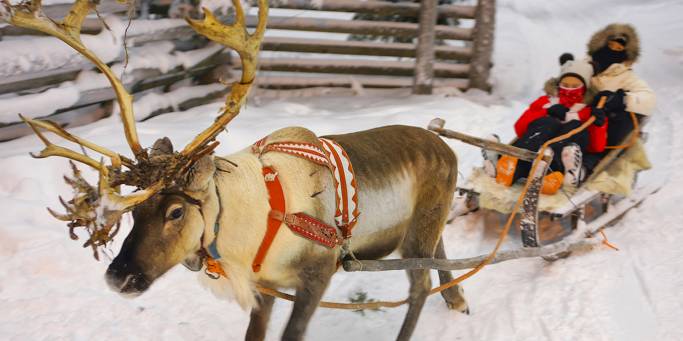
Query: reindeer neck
<point x="244" y="207"/>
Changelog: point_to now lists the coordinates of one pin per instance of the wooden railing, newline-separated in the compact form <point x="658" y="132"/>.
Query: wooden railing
<point x="289" y="62"/>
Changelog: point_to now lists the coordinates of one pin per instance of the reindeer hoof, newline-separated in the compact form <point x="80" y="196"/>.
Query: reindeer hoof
<point x="455" y="299"/>
<point x="459" y="307"/>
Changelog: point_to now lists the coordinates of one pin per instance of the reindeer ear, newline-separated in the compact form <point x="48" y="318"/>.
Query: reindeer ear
<point x="162" y="146"/>
<point x="200" y="174"/>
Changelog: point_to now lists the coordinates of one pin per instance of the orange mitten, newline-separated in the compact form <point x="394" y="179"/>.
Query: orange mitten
<point x="505" y="170"/>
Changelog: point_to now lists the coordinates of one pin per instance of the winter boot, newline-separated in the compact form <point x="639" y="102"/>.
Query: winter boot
<point x="490" y="157"/>
<point x="573" y="169"/>
<point x="505" y="170"/>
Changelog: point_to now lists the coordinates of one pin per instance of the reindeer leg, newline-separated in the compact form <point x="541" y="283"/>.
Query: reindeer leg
<point x="454" y="296"/>
<point x="314" y="278"/>
<point x="259" y="319"/>
<point x="420" y="242"/>
<point x="419" y="290"/>
<point x="423" y="238"/>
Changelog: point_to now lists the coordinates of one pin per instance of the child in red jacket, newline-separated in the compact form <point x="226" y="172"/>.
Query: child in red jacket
<point x="560" y="111"/>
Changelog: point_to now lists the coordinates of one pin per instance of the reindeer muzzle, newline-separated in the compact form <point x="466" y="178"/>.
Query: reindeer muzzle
<point x="126" y="279"/>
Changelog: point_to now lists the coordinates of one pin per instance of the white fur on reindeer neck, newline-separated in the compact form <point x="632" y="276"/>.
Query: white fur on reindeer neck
<point x="337" y="161"/>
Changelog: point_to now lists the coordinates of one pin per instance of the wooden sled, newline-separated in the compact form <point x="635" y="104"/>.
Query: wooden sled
<point x="587" y="210"/>
<point x="548" y="233"/>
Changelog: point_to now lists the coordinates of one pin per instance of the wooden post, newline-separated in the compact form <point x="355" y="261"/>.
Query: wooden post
<point x="424" y="70"/>
<point x="482" y="38"/>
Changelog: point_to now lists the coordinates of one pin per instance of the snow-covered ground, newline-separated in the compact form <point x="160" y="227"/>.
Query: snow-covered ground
<point x="50" y="288"/>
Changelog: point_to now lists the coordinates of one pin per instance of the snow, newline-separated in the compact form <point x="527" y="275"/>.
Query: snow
<point x="50" y="288"/>
<point x="155" y="55"/>
<point x="22" y="55"/>
<point x="150" y="102"/>
<point x="42" y="104"/>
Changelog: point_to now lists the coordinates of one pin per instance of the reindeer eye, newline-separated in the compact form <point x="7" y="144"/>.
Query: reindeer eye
<point x="176" y="213"/>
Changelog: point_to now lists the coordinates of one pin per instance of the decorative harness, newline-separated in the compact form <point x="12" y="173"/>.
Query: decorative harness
<point x="334" y="158"/>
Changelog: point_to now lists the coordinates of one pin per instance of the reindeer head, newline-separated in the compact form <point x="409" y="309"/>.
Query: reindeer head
<point x="168" y="228"/>
<point x="173" y="188"/>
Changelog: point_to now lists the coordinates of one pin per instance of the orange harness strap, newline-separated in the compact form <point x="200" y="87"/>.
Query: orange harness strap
<point x="277" y="211"/>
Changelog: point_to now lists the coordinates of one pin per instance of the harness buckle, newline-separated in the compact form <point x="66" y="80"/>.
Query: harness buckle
<point x="211" y="275"/>
<point x="270" y="177"/>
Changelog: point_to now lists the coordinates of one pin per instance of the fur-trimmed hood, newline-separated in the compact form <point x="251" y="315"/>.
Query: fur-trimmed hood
<point x="600" y="38"/>
<point x="550" y="89"/>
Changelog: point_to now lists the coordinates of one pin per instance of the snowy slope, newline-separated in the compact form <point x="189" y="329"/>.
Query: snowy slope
<point x="50" y="288"/>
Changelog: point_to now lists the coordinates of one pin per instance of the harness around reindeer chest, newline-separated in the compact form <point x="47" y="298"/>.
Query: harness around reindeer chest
<point x="334" y="158"/>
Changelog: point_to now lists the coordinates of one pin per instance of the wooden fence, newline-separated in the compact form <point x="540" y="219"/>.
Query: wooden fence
<point x="288" y="62"/>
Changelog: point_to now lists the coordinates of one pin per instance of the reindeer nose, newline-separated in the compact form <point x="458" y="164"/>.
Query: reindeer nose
<point x="126" y="278"/>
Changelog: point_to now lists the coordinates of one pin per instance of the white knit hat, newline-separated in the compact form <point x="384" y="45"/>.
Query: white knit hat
<point x="580" y="68"/>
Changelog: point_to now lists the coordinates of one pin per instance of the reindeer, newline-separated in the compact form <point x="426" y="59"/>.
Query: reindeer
<point x="189" y="201"/>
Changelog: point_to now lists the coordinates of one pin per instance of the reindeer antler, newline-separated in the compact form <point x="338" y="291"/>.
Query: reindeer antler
<point x="99" y="208"/>
<point x="31" y="16"/>
<point x="236" y="37"/>
<point x="53" y="127"/>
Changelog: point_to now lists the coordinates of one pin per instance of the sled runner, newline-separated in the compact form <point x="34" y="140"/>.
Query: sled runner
<point x="601" y="199"/>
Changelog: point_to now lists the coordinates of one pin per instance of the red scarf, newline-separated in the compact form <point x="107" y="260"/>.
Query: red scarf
<point x="569" y="97"/>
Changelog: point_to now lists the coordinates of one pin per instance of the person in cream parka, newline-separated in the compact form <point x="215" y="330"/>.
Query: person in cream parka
<point x="613" y="50"/>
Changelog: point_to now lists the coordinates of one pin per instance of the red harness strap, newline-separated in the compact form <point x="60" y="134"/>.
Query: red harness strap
<point x="313" y="229"/>
<point x="345" y="184"/>
<point x="277" y="209"/>
<point x="300" y="223"/>
<point x="335" y="159"/>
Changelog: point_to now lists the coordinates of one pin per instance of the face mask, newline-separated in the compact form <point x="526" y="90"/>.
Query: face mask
<point x="570" y="96"/>
<point x="605" y="57"/>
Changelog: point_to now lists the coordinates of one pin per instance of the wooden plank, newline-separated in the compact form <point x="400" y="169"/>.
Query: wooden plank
<point x="405" y="9"/>
<point x="360" y="48"/>
<point x="97" y="110"/>
<point x="211" y="97"/>
<point x="482" y="36"/>
<point x="355" y="66"/>
<point x="347" y="81"/>
<point x="59" y="11"/>
<point x="377" y="28"/>
<point x="90" y="26"/>
<point x="145" y="79"/>
<point x="70" y="118"/>
<point x="367" y="27"/>
<point x="424" y="59"/>
<point x="140" y="80"/>
<point x="34" y="80"/>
